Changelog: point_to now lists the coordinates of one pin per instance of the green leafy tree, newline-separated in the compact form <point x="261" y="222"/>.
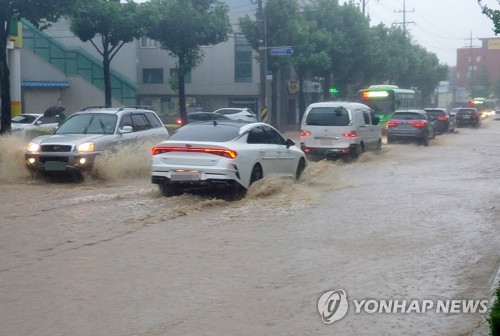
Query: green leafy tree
<point x="40" y="14"/>
<point x="493" y="14"/>
<point x="107" y="25"/>
<point x="309" y="56"/>
<point x="282" y="24"/>
<point x="182" y="27"/>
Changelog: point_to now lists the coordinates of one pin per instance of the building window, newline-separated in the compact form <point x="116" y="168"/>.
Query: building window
<point x="152" y="76"/>
<point x="187" y="76"/>
<point x="146" y="42"/>
<point x="242" y="60"/>
<point x="478" y="59"/>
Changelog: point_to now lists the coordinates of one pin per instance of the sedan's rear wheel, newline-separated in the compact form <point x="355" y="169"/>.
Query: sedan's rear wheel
<point x="424" y="140"/>
<point x="300" y="168"/>
<point x="256" y="174"/>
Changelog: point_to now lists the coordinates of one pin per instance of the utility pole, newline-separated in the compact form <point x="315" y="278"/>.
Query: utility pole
<point x="261" y="23"/>
<point x="471" y="66"/>
<point x="404" y="22"/>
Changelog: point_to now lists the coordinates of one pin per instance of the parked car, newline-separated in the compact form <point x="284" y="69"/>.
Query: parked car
<point x="235" y="113"/>
<point x="226" y="154"/>
<point x="33" y="121"/>
<point x="332" y="130"/>
<point x="86" y="134"/>
<point x="468" y="116"/>
<point x="497" y="114"/>
<point x="443" y="121"/>
<point x="203" y="116"/>
<point x="410" y="125"/>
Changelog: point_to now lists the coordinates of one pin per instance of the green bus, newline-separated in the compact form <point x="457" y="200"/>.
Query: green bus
<point x="485" y="106"/>
<point x="385" y="99"/>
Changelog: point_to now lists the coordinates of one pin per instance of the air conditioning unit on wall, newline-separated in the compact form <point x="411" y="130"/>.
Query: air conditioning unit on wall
<point x="310" y="86"/>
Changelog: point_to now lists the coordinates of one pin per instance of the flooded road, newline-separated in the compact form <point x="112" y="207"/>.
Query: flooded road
<point x="110" y="256"/>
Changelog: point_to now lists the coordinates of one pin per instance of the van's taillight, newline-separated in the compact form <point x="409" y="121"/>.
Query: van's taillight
<point x="392" y="123"/>
<point x="306" y="150"/>
<point x="418" y="124"/>
<point x="442" y="118"/>
<point x="351" y="134"/>
<point x="305" y="133"/>
<point x="228" y="153"/>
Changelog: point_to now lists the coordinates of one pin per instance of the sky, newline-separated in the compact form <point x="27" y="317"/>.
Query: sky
<point x="440" y="26"/>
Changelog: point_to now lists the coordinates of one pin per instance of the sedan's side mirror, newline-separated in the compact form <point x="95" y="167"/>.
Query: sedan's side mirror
<point x="126" y="129"/>
<point x="289" y="143"/>
<point x="376" y="120"/>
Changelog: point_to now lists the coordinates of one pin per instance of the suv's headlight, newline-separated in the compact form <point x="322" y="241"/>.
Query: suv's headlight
<point x="86" y="147"/>
<point x="33" y="147"/>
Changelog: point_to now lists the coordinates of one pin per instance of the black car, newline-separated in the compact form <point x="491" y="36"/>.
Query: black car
<point x="410" y="125"/>
<point x="443" y="121"/>
<point x="468" y="116"/>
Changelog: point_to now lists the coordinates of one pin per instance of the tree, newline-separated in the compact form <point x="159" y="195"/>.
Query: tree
<point x="40" y="14"/>
<point x="113" y="23"/>
<point x="493" y="14"/>
<point x="182" y="27"/>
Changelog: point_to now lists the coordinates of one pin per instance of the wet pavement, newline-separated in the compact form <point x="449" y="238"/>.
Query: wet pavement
<point x="111" y="256"/>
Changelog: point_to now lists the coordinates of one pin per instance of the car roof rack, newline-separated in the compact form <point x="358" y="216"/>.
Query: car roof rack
<point x="145" y="107"/>
<point x="93" y="108"/>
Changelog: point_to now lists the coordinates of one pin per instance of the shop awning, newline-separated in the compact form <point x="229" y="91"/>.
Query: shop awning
<point x="44" y="84"/>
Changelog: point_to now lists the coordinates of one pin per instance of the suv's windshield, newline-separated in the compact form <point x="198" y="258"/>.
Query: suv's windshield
<point x="88" y="123"/>
<point x="328" y="116"/>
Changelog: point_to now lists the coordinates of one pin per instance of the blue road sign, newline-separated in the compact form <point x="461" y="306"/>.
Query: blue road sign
<point x="281" y="52"/>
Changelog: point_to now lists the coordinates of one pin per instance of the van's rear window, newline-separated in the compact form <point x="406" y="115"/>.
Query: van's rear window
<point x="328" y="116"/>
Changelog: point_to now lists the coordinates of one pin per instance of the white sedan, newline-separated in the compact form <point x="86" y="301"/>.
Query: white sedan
<point x="31" y="121"/>
<point x="223" y="154"/>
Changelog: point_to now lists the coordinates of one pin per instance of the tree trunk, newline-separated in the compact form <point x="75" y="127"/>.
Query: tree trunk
<point x="182" y="92"/>
<point x="6" y="111"/>
<point x="106" y="64"/>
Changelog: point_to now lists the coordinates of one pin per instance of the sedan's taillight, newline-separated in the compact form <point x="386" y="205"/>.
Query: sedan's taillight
<point x="393" y="123"/>
<point x="418" y="124"/>
<point x="228" y="153"/>
<point x="442" y="118"/>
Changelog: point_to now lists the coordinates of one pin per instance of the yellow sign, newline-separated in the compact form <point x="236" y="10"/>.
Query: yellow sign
<point x="494" y="44"/>
<point x="293" y="87"/>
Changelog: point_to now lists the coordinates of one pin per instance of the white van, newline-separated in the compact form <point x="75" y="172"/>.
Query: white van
<point x="331" y="130"/>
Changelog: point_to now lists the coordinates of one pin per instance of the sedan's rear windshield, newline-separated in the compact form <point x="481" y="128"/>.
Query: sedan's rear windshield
<point x="88" y="123"/>
<point x="328" y="116"/>
<point x="407" y="116"/>
<point x="436" y="113"/>
<point x="206" y="132"/>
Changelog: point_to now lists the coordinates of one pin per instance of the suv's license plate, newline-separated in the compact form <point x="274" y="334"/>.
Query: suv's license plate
<point x="55" y="165"/>
<point x="185" y="176"/>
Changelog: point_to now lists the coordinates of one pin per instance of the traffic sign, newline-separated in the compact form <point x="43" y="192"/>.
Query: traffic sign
<point x="281" y="51"/>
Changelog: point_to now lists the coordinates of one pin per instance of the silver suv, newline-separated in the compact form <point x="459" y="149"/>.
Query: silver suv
<point x="84" y="135"/>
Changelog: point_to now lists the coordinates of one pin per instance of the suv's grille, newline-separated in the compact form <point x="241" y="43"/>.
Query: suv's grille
<point x="44" y="159"/>
<point x="56" y="148"/>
